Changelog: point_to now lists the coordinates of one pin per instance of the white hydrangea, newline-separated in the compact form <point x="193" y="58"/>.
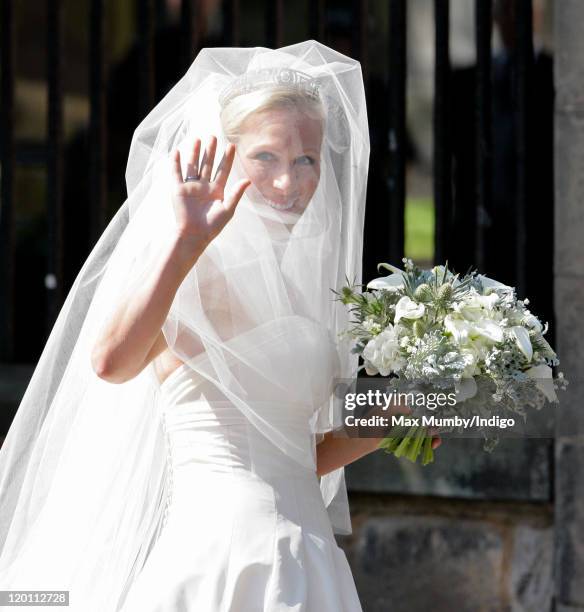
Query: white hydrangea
<point x="382" y="353"/>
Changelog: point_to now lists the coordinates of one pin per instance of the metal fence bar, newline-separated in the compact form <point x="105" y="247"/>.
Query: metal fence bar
<point x="442" y="148"/>
<point x="190" y="27"/>
<point x="483" y="95"/>
<point x="7" y="161"/>
<point x="145" y="29"/>
<point x="29" y="152"/>
<point x="359" y="42"/>
<point x="97" y="121"/>
<point x="54" y="277"/>
<point x="396" y="188"/>
<point x="231" y="34"/>
<point x="397" y="127"/>
<point x="317" y="16"/>
<point x="524" y="59"/>
<point x="275" y="23"/>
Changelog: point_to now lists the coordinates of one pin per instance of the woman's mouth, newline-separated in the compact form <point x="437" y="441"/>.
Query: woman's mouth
<point x="281" y="205"/>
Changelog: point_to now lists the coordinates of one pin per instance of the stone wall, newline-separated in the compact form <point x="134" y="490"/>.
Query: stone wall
<point x="569" y="303"/>
<point x="413" y="554"/>
<point x="471" y="531"/>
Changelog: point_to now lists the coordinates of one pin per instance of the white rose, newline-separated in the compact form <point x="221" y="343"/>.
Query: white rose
<point x="408" y="309"/>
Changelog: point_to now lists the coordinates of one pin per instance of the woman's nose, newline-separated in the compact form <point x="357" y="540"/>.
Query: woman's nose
<point x="285" y="180"/>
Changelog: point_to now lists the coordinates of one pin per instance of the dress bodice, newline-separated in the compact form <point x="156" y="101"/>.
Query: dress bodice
<point x="205" y="428"/>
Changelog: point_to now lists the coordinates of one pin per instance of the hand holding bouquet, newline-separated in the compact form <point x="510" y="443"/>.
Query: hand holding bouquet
<point x="470" y="333"/>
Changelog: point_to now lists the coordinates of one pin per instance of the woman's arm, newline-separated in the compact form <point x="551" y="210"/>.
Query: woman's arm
<point x="335" y="452"/>
<point x="132" y="336"/>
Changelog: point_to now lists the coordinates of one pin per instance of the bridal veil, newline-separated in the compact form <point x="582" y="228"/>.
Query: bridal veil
<point x="83" y="468"/>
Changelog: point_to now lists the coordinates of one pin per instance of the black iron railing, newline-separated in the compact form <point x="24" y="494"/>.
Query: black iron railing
<point x="387" y="192"/>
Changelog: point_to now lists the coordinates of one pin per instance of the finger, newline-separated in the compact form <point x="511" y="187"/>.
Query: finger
<point x="436" y="442"/>
<point x="232" y="200"/>
<point x="193" y="163"/>
<point x="225" y="166"/>
<point x="176" y="167"/>
<point x="208" y="159"/>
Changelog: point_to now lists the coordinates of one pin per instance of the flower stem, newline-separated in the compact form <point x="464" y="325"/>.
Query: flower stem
<point x="403" y="446"/>
<point x="409" y="443"/>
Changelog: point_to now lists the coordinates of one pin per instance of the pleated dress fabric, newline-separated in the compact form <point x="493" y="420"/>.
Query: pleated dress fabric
<point x="245" y="527"/>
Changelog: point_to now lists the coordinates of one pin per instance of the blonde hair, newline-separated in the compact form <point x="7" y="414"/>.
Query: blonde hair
<point x="242" y="107"/>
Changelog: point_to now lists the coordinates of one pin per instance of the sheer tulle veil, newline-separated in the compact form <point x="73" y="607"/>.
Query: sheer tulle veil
<point x="83" y="473"/>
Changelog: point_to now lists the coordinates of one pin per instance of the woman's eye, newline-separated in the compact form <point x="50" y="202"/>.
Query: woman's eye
<point x="264" y="157"/>
<point x="305" y="160"/>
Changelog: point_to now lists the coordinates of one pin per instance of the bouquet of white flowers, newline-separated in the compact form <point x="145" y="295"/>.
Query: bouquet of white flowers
<point x="470" y="334"/>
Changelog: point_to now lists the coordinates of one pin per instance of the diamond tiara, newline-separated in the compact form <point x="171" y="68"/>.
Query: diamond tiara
<point x="258" y="79"/>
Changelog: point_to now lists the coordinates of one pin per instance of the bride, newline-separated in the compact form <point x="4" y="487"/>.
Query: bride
<point x="174" y="448"/>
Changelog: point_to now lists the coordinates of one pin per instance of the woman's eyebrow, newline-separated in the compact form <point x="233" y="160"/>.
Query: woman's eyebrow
<point x="262" y="146"/>
<point x="271" y="147"/>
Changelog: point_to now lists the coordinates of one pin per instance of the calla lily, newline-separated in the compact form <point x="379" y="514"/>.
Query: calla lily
<point x="464" y="331"/>
<point x="477" y="307"/>
<point x="491" y="330"/>
<point x="393" y="281"/>
<point x="543" y="380"/>
<point x="459" y="328"/>
<point x="390" y="268"/>
<point x="408" y="309"/>
<point x="521" y="336"/>
<point x="490" y="282"/>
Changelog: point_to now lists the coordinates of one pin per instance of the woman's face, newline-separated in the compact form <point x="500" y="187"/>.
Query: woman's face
<point x="279" y="150"/>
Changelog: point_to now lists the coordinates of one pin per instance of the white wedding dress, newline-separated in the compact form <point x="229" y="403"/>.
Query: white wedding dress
<point x="246" y="529"/>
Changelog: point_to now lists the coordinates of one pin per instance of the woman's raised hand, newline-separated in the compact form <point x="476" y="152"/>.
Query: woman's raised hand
<point x="201" y="206"/>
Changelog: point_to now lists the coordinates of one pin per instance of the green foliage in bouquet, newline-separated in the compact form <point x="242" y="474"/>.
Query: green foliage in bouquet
<point x="467" y="333"/>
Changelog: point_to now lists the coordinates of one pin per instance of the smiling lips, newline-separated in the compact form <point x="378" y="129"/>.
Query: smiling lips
<point x="282" y="205"/>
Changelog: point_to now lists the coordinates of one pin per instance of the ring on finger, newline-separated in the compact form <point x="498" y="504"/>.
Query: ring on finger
<point x="191" y="178"/>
